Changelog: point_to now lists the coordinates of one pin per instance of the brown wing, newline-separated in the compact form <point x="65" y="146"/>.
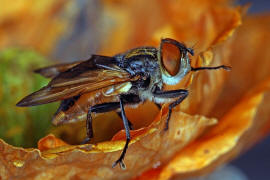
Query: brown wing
<point x="97" y="73"/>
<point x="55" y="70"/>
<point x="75" y="109"/>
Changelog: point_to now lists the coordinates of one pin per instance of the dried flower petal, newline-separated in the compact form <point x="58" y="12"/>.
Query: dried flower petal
<point x="192" y="144"/>
<point x="206" y="27"/>
<point x="240" y="128"/>
<point x="93" y="161"/>
<point x="250" y="61"/>
<point x="20" y="23"/>
<point x="50" y="142"/>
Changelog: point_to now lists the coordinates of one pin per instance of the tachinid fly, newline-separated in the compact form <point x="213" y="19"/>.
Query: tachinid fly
<point x="103" y="84"/>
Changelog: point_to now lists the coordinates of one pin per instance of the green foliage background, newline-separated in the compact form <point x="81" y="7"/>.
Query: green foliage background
<point x="22" y="126"/>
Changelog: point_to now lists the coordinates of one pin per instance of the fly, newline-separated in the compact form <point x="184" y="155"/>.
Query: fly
<point x="102" y="84"/>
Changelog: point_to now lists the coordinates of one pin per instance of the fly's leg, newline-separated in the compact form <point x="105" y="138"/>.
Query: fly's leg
<point x="89" y="128"/>
<point x="180" y="94"/>
<point x="99" y="108"/>
<point x="158" y="106"/>
<point x="126" y="126"/>
<point x="106" y="107"/>
<point x="129" y="123"/>
<point x="172" y="105"/>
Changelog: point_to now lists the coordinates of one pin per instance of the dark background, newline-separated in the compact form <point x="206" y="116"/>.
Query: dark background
<point x="255" y="163"/>
<point x="257" y="6"/>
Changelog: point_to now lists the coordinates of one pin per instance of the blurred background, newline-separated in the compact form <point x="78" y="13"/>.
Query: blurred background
<point x="36" y="34"/>
<point x="255" y="163"/>
<point x="257" y="6"/>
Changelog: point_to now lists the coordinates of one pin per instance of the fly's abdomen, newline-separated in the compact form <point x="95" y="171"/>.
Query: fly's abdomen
<point x="75" y="109"/>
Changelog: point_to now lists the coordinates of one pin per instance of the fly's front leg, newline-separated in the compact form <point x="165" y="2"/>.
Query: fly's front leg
<point x="126" y="125"/>
<point x="172" y="105"/>
<point x="180" y="94"/>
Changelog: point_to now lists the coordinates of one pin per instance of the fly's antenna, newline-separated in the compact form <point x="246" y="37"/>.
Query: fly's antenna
<point x="192" y="48"/>
<point x="191" y="51"/>
<point x="227" y="68"/>
<point x="195" y="44"/>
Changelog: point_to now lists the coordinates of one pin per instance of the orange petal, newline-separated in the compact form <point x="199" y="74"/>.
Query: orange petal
<point x="209" y="24"/>
<point x="151" y="149"/>
<point x="240" y="128"/>
<point x="33" y="24"/>
<point x="206" y="27"/>
<point x="249" y="60"/>
<point x="49" y="142"/>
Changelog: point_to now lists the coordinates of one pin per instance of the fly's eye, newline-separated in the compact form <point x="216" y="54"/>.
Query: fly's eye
<point x="170" y="58"/>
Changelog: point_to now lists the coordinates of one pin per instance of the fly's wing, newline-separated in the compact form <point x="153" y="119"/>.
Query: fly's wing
<point x="96" y="73"/>
<point x="55" y="70"/>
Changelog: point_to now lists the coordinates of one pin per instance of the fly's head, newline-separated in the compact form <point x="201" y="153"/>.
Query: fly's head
<point x="173" y="60"/>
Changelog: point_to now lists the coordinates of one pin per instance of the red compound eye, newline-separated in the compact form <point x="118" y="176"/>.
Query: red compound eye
<point x="170" y="58"/>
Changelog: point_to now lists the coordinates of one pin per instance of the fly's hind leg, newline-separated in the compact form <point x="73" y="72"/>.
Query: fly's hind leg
<point x="89" y="128"/>
<point x="180" y="94"/>
<point x="99" y="108"/>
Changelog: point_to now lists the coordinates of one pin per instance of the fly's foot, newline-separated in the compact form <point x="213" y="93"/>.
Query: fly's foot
<point x="86" y="140"/>
<point x="120" y="162"/>
<point x="166" y="128"/>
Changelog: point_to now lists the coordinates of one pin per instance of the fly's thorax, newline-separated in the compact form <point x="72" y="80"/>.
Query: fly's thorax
<point x="140" y="51"/>
<point x="142" y="66"/>
<point x="140" y="60"/>
<point x="154" y="82"/>
<point x="146" y="94"/>
<point x="162" y="100"/>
